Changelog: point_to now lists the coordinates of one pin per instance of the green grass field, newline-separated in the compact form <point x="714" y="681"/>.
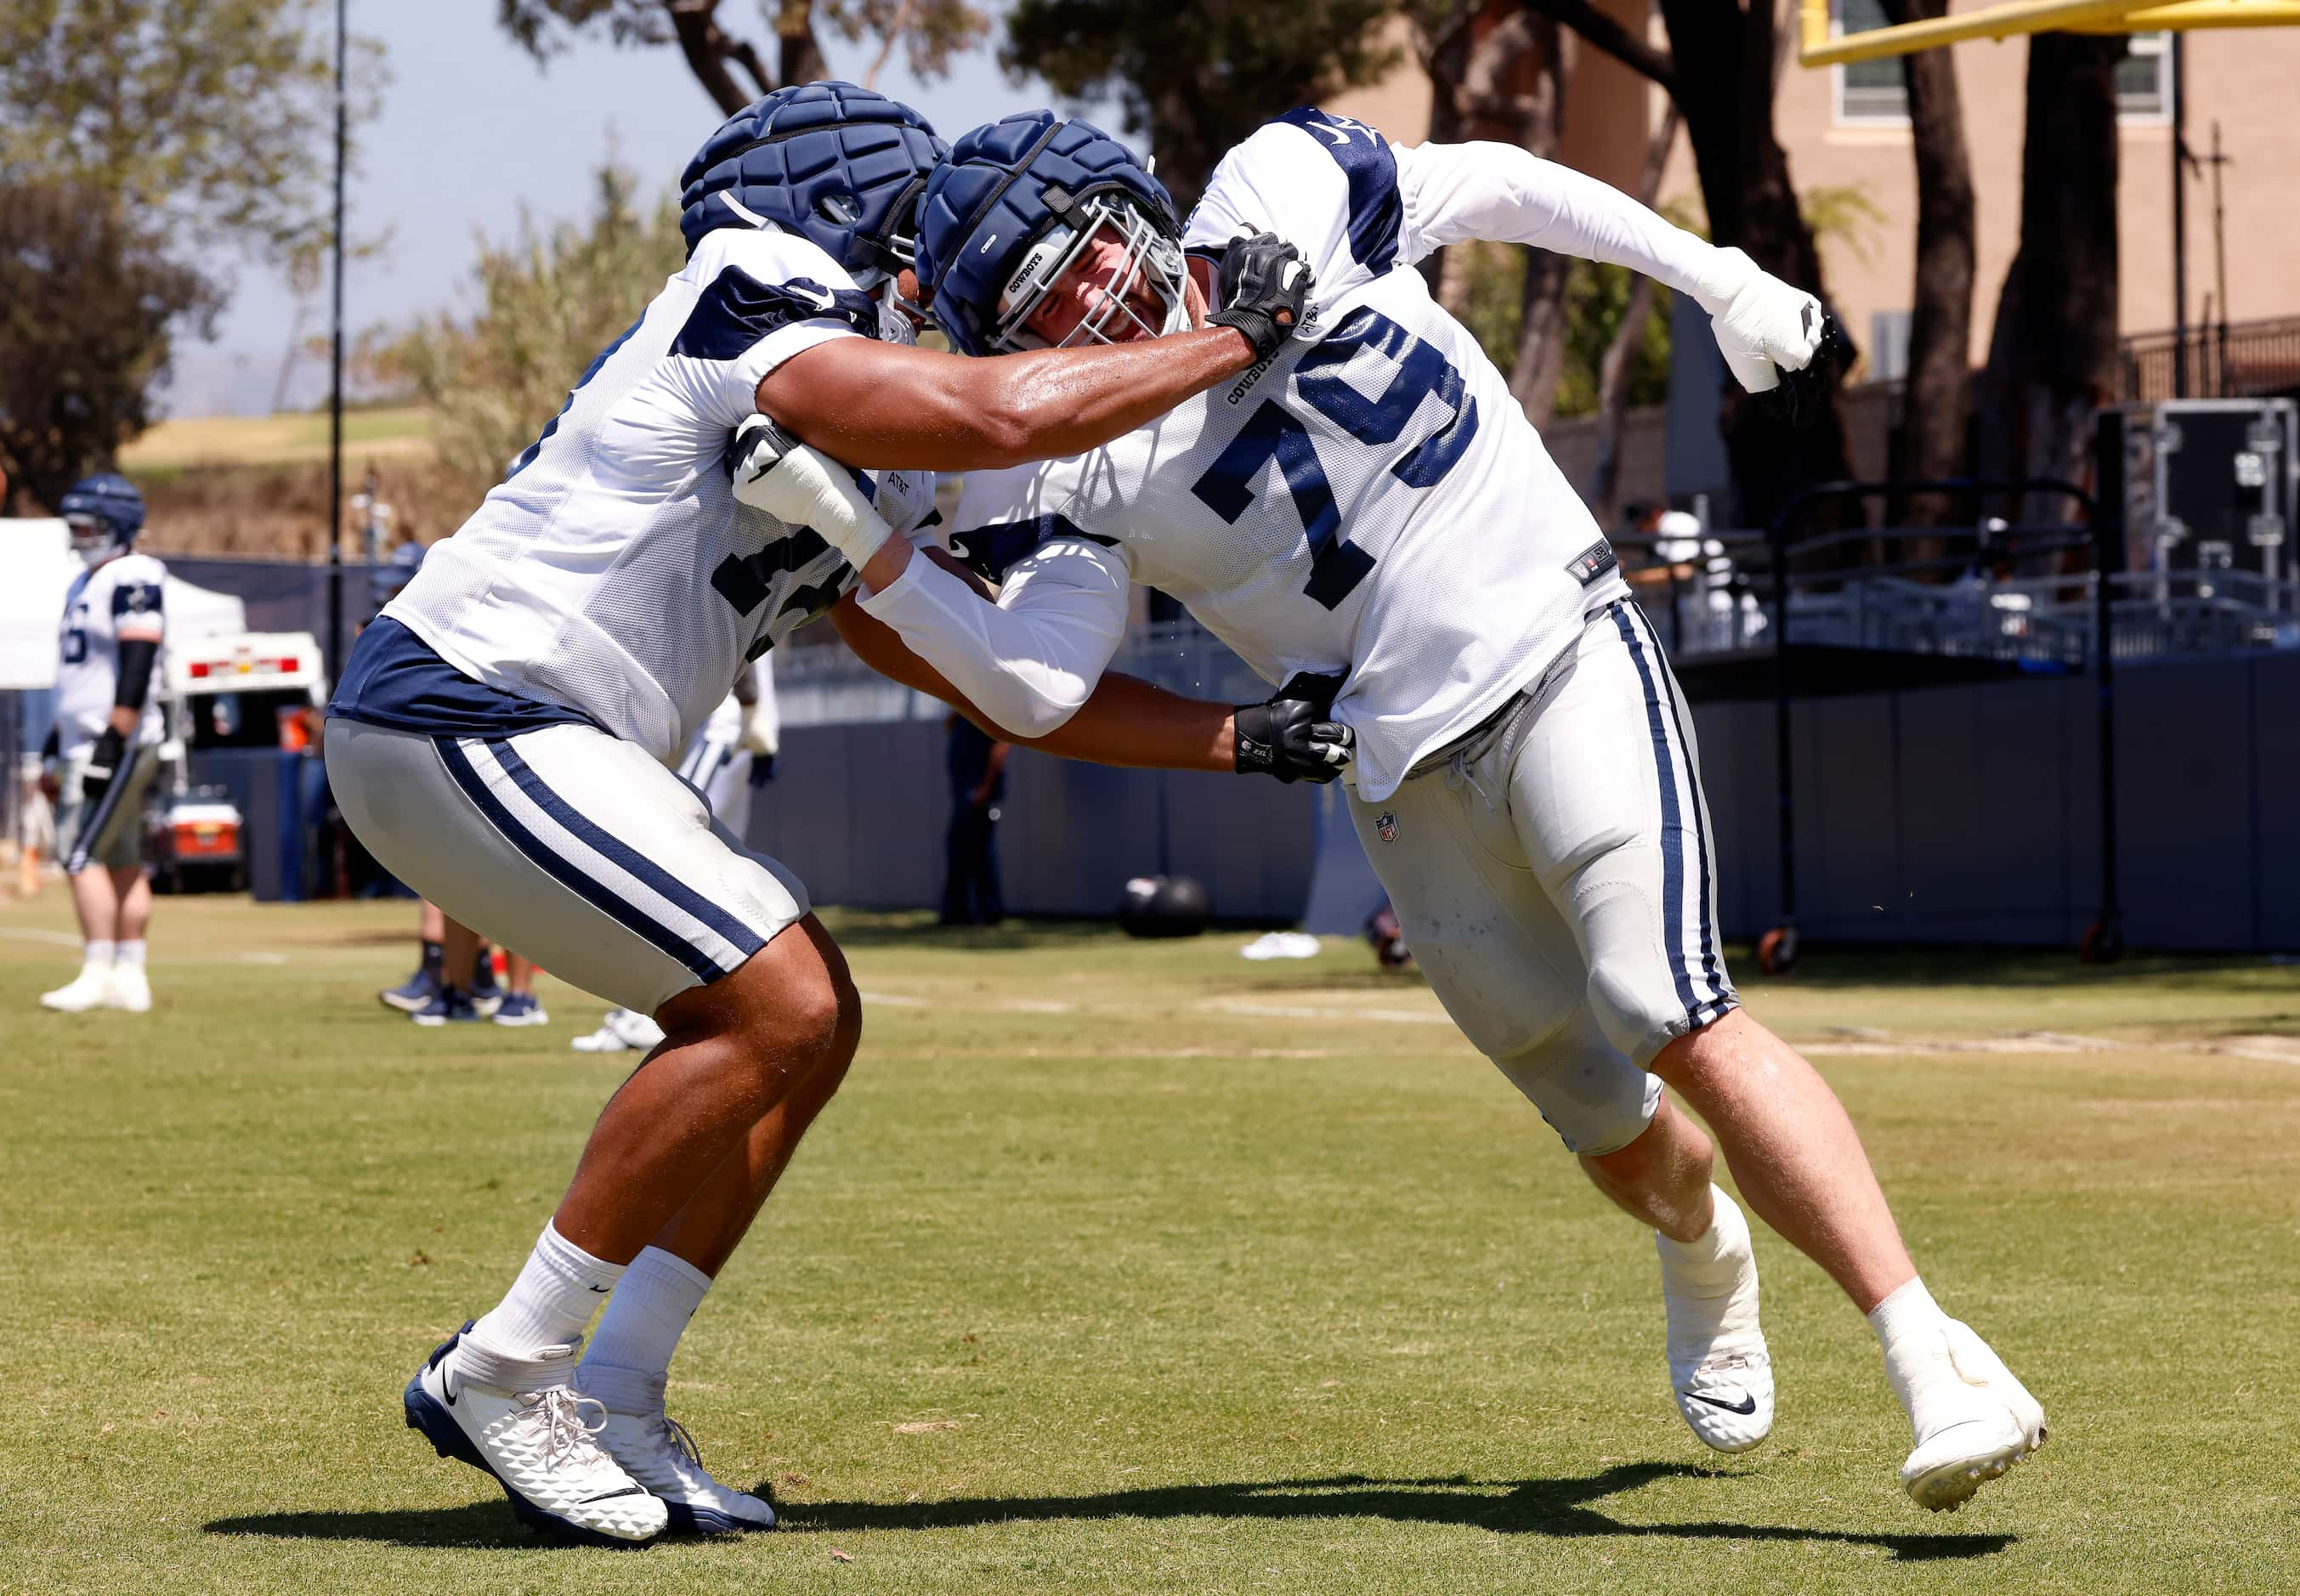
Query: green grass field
<point x="1110" y="1272"/>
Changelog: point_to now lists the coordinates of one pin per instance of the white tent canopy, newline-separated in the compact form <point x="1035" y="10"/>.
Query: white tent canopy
<point x="39" y="565"/>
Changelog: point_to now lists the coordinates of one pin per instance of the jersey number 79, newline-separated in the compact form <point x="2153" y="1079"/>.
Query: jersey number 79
<point x="1272" y="433"/>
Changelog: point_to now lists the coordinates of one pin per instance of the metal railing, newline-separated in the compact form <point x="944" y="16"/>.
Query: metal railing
<point x="2240" y="359"/>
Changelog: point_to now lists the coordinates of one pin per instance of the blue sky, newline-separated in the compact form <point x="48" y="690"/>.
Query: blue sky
<point x="472" y="129"/>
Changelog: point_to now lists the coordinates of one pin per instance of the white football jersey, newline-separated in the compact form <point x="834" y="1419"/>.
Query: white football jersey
<point x="611" y="572"/>
<point x="1372" y="503"/>
<point x="107" y="604"/>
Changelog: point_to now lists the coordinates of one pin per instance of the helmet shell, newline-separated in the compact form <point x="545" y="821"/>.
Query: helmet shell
<point x="841" y="165"/>
<point x="110" y="498"/>
<point x="1002" y="188"/>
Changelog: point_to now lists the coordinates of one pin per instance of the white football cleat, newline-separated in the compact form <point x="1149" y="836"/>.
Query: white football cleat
<point x="1979" y="1422"/>
<point x="620" y="1030"/>
<point x="86" y="990"/>
<point x="521" y="1421"/>
<point x="129" y="989"/>
<point x="656" y="1451"/>
<point x="1718" y="1365"/>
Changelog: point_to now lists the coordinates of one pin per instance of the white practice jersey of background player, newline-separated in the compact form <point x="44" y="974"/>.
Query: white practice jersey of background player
<point x="1374" y="501"/>
<point x="613" y="571"/>
<point x="718" y="762"/>
<point x="114" y="603"/>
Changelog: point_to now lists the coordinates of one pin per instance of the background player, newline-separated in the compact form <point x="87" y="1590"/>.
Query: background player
<point x="501" y="736"/>
<point x="107" y="737"/>
<point x="1371" y="506"/>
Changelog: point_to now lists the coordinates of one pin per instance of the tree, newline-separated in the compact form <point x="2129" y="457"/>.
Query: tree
<point x="1497" y="72"/>
<point x="139" y="141"/>
<point x="87" y="305"/>
<point x="2051" y="353"/>
<point x="1196" y="80"/>
<point x="549" y="302"/>
<point x="1728" y="106"/>
<point x="1932" y="439"/>
<point x="728" y="66"/>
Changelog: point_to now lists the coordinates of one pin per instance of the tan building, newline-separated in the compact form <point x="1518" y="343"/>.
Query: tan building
<point x="1846" y="128"/>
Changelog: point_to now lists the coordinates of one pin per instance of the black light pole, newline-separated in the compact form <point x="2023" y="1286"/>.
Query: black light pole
<point x="2180" y="217"/>
<point x="335" y="389"/>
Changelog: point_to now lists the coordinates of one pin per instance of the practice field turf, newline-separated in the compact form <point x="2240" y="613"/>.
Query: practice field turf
<point x="1130" y="1267"/>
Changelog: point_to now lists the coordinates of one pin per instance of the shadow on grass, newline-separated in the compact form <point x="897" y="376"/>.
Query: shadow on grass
<point x="487" y="1524"/>
<point x="1559" y="1508"/>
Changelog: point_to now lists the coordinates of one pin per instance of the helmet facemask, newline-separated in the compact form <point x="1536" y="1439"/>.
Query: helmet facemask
<point x="1146" y="255"/>
<point x="92" y="537"/>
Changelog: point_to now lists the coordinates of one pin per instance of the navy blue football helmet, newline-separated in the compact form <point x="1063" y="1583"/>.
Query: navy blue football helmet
<point x="842" y="166"/>
<point x="104" y="512"/>
<point x="1015" y="204"/>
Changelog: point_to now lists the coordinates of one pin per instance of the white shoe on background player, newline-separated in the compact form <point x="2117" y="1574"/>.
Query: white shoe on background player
<point x="656" y="1451"/>
<point x="522" y="1422"/>
<point x="1718" y="1365"/>
<point x="86" y="990"/>
<point x="129" y="989"/>
<point x="620" y="1030"/>
<point x="1972" y="1420"/>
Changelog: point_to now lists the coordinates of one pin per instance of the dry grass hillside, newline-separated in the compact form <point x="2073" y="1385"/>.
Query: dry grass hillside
<point x="258" y="485"/>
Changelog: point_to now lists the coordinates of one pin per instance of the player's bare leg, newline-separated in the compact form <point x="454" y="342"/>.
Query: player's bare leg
<point x="1719" y="1370"/>
<point x="1798" y="1158"/>
<point x="114" y="908"/>
<point x="745" y="1064"/>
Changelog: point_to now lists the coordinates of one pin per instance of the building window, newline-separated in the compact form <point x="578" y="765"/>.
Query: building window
<point x="1869" y="91"/>
<point x="2144" y="79"/>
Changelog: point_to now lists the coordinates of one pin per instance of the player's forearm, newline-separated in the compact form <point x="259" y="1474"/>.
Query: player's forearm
<point x="123" y="719"/>
<point x="1126" y="721"/>
<point x="883" y="407"/>
<point x="1130" y="721"/>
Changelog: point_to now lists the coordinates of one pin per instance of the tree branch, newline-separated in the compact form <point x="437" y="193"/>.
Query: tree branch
<point x="1630" y="49"/>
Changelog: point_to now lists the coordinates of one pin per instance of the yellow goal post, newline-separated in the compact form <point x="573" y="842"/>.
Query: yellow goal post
<point x="1819" y="46"/>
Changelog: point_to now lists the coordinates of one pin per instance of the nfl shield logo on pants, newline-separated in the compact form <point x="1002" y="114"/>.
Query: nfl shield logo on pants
<point x="1386" y="824"/>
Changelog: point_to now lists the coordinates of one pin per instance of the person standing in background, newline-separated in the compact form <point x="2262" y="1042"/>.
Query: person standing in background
<point x="106" y="740"/>
<point x="977" y="762"/>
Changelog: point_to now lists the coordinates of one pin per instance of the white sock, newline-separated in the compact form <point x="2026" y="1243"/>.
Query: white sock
<point x="648" y="1313"/>
<point x="1912" y="1328"/>
<point x="97" y="956"/>
<point x="550" y="1302"/>
<point x="128" y="955"/>
<point x="1708" y="1265"/>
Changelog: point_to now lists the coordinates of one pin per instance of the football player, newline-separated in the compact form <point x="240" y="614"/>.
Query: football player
<point x="500" y="740"/>
<point x="107" y="741"/>
<point x="1370" y="506"/>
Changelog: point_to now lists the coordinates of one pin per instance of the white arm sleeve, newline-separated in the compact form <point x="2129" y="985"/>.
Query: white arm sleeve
<point x="1030" y="660"/>
<point x="1457" y="192"/>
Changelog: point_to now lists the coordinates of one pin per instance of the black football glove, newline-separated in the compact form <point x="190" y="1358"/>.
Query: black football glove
<point x="1263" y="287"/>
<point x="763" y="770"/>
<point x="1801" y="398"/>
<point x="103" y="762"/>
<point x="1289" y="736"/>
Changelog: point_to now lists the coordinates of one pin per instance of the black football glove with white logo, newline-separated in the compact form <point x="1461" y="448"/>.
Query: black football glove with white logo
<point x="1291" y="735"/>
<point x="103" y="767"/>
<point x="1261" y="288"/>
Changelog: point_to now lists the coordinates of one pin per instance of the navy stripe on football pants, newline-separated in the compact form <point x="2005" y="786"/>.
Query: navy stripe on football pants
<point x="587" y="861"/>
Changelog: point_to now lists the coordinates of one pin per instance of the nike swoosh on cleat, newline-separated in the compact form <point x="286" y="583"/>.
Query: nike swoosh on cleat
<point x="1747" y="1405"/>
<point x="611" y="1495"/>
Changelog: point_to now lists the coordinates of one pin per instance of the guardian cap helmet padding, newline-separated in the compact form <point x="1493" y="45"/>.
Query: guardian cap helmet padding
<point x="104" y="512"/>
<point x="1015" y="204"/>
<point x="841" y="166"/>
